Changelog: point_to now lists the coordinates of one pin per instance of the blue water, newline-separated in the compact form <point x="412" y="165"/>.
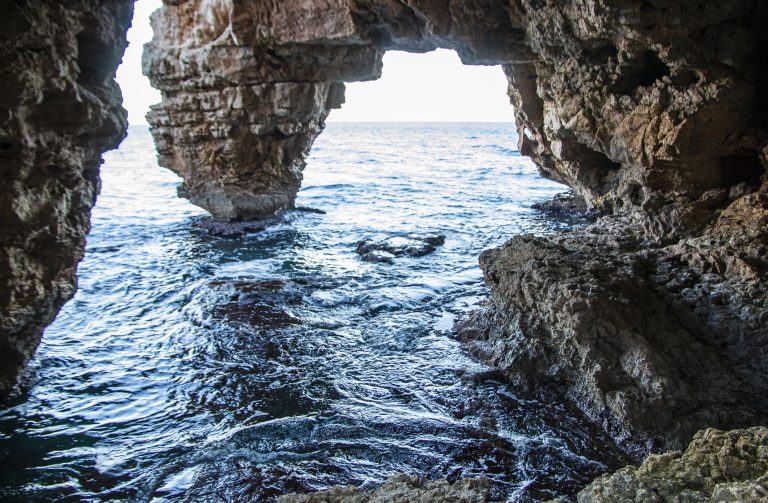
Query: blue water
<point x="190" y="367"/>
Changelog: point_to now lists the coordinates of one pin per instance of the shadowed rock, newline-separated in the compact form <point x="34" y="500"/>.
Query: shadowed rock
<point x="60" y="109"/>
<point x="567" y="204"/>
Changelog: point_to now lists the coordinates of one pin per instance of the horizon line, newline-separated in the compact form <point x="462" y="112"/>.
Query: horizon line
<point x="391" y="122"/>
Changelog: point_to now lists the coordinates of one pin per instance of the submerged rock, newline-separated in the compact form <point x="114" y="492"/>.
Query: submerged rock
<point x="236" y="228"/>
<point x="716" y="466"/>
<point x="263" y="304"/>
<point x="405" y="245"/>
<point x="401" y="489"/>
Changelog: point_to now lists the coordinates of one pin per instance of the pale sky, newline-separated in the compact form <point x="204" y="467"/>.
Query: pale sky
<point x="431" y="87"/>
<point x="137" y="93"/>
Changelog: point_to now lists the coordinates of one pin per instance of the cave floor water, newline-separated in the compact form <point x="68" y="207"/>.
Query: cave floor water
<point x="191" y="367"/>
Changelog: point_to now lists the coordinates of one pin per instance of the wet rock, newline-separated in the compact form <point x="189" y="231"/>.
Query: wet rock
<point x="229" y="229"/>
<point x="379" y="256"/>
<point x="716" y="466"/>
<point x="654" y="342"/>
<point x="401" y="489"/>
<point x="262" y="303"/>
<point x="405" y="245"/>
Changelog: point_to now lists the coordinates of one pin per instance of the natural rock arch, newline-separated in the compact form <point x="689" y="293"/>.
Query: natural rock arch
<point x="247" y="89"/>
<point x="652" y="111"/>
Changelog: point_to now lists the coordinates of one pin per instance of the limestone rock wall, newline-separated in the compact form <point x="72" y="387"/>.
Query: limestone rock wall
<point x="650" y="107"/>
<point x="654" y="320"/>
<point x="246" y="89"/>
<point x="59" y="110"/>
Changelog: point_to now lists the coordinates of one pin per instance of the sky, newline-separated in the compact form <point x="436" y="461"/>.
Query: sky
<point x="431" y="87"/>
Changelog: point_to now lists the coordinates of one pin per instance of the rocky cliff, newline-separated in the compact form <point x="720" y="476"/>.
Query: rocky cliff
<point x="654" y="319"/>
<point x="60" y="109"/>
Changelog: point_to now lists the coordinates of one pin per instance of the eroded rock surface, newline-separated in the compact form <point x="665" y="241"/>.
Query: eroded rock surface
<point x="716" y="466"/>
<point x="247" y="85"/>
<point x="401" y="489"/>
<point x="60" y="110"/>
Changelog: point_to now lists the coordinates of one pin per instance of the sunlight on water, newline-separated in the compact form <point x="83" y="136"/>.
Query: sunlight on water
<point x="192" y="367"/>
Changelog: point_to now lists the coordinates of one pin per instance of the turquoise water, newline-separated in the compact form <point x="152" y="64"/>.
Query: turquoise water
<point x="191" y="367"/>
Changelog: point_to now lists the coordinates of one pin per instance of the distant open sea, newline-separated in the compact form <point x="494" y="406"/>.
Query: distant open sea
<point x="190" y="367"/>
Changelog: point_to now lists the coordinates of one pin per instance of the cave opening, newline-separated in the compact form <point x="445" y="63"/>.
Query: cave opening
<point x="272" y="340"/>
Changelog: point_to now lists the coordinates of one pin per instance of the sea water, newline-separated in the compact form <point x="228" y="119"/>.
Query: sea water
<point x="202" y="368"/>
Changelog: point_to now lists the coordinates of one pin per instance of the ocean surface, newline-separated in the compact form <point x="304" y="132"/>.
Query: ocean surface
<point x="191" y="367"/>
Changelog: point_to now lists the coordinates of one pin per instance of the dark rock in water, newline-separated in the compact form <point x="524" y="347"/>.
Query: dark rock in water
<point x="263" y="303"/>
<point x="227" y="228"/>
<point x="404" y="245"/>
<point x="567" y="204"/>
<point x="259" y="303"/>
<point x="401" y="489"/>
<point x="379" y="256"/>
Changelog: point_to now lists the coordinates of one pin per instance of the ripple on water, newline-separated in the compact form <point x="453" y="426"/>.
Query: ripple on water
<point x="193" y="367"/>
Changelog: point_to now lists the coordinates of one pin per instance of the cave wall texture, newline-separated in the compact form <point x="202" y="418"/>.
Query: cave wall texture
<point x="653" y="320"/>
<point x="60" y="108"/>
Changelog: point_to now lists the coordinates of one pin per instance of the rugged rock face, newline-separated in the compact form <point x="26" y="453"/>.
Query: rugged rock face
<point x="716" y="466"/>
<point x="60" y="109"/>
<point x="650" y="106"/>
<point x="637" y="106"/>
<point x="653" y="342"/>
<point x="401" y="489"/>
